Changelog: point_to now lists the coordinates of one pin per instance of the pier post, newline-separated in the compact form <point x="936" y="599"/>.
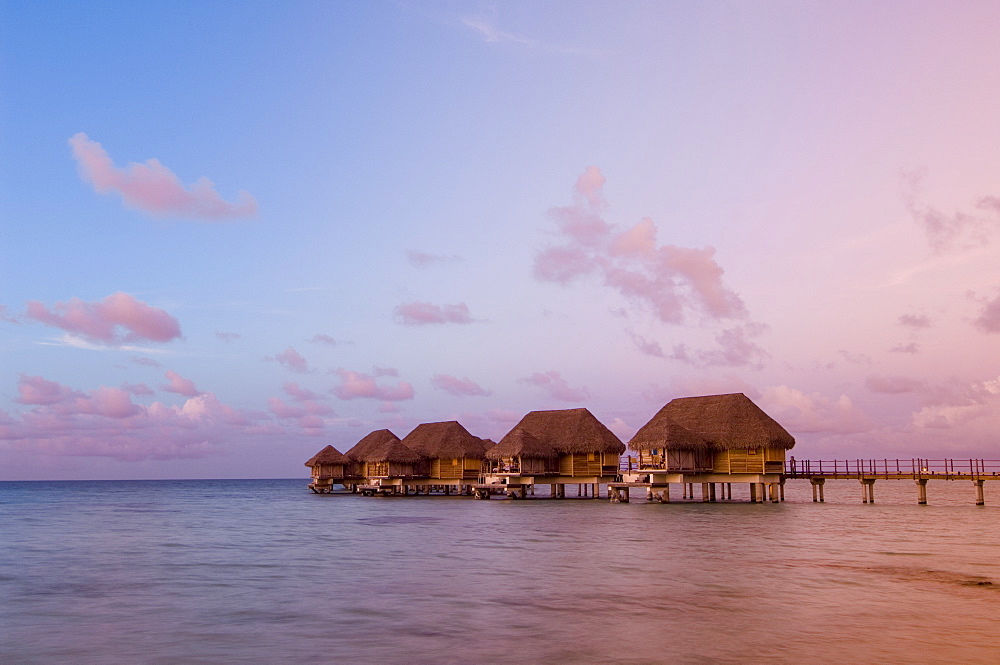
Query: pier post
<point x="867" y="490"/>
<point x="753" y="492"/>
<point x="921" y="491"/>
<point x="729" y="490"/>
<point x="665" y="497"/>
<point x="980" y="497"/>
<point x="781" y="489"/>
<point x="711" y="492"/>
<point x="705" y="493"/>
<point x="817" y="485"/>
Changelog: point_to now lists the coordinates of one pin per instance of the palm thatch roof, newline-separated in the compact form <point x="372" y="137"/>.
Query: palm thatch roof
<point x="519" y="443"/>
<point x="444" y="440"/>
<point x="728" y="421"/>
<point x="389" y="451"/>
<point x="571" y="431"/>
<point x="328" y="455"/>
<point x="370" y="441"/>
<point x="663" y="432"/>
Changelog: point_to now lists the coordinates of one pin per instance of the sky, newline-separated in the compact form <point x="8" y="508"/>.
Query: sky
<point x="235" y="233"/>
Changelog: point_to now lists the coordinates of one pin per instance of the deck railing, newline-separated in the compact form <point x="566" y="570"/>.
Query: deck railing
<point x="915" y="467"/>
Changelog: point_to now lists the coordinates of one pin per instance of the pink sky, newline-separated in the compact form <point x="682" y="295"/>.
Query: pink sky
<point x="471" y="214"/>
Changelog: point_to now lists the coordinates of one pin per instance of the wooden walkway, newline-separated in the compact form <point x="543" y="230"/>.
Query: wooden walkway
<point x="866" y="472"/>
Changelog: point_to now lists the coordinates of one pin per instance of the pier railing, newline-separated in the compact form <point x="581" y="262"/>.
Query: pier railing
<point x="914" y="467"/>
<point x="893" y="468"/>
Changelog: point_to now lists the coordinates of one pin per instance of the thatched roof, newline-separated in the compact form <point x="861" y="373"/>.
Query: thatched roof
<point x="389" y="451"/>
<point x="519" y="443"/>
<point x="571" y="431"/>
<point x="727" y="421"/>
<point x="370" y="441"/>
<point x="328" y="455"/>
<point x="663" y="432"/>
<point x="444" y="440"/>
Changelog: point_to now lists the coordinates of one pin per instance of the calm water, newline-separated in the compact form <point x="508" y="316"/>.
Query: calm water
<point x="263" y="571"/>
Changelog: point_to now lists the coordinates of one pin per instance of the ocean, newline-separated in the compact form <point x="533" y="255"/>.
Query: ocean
<point x="264" y="571"/>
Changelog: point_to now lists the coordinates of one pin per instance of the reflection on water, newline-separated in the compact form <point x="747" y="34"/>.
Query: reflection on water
<point x="265" y="572"/>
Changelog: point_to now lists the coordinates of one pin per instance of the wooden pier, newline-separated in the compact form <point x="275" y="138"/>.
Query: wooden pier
<point x="765" y="487"/>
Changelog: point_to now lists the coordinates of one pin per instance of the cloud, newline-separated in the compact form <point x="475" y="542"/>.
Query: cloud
<point x="308" y="414"/>
<point x="227" y="336"/>
<point x="734" y="348"/>
<point x="144" y="361"/>
<point x="456" y="386"/>
<point x="423" y="259"/>
<point x="154" y="189"/>
<point x="320" y="338"/>
<point x="105" y="422"/>
<point x="912" y="348"/>
<point x="988" y="320"/>
<point x="358" y="385"/>
<point x="893" y="385"/>
<point x="385" y="371"/>
<point x="800" y="413"/>
<point x="973" y="408"/>
<point x="673" y="282"/>
<point x="178" y="384"/>
<point x="556" y="386"/>
<point x="424" y="313"/>
<point x="139" y="389"/>
<point x="958" y="231"/>
<point x="648" y="347"/>
<point x="490" y="33"/>
<point x="116" y="319"/>
<point x="4" y="316"/>
<point x="292" y="360"/>
<point x="915" y="321"/>
<point x="39" y="391"/>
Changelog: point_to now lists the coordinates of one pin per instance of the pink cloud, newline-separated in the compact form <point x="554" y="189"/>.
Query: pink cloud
<point x="144" y="361"/>
<point x="154" y="189"/>
<point x="959" y="230"/>
<point x="423" y="259"/>
<point x="673" y="282"/>
<point x="456" y="386"/>
<point x="556" y="386"/>
<point x="893" y="385"/>
<point x="648" y="347"/>
<point x="734" y="348"/>
<point x="6" y="317"/>
<point x="140" y="389"/>
<point x="912" y="348"/>
<point x="178" y="384"/>
<point x="298" y="393"/>
<point x="385" y="371"/>
<point x="36" y="390"/>
<point x="117" y="319"/>
<point x="423" y="313"/>
<point x="801" y="413"/>
<point x="320" y="338"/>
<point x="989" y="319"/>
<point x="104" y="422"/>
<point x="914" y="321"/>
<point x="292" y="360"/>
<point x="358" y="385"/>
<point x="227" y="336"/>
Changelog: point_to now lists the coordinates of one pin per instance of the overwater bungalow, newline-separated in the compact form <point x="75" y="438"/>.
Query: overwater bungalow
<point x="521" y="452"/>
<point x="588" y="453"/>
<point x="454" y="456"/>
<point x="386" y="464"/>
<point x="328" y="466"/>
<point x="710" y="440"/>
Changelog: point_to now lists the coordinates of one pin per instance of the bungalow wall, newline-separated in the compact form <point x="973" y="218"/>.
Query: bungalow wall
<point x="522" y="465"/>
<point x="328" y="471"/>
<point x="393" y="469"/>
<point x="588" y="464"/>
<point x="461" y="468"/>
<point x="760" y="460"/>
<point x="676" y="460"/>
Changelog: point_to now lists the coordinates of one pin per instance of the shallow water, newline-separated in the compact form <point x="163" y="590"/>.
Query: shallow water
<point x="263" y="571"/>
